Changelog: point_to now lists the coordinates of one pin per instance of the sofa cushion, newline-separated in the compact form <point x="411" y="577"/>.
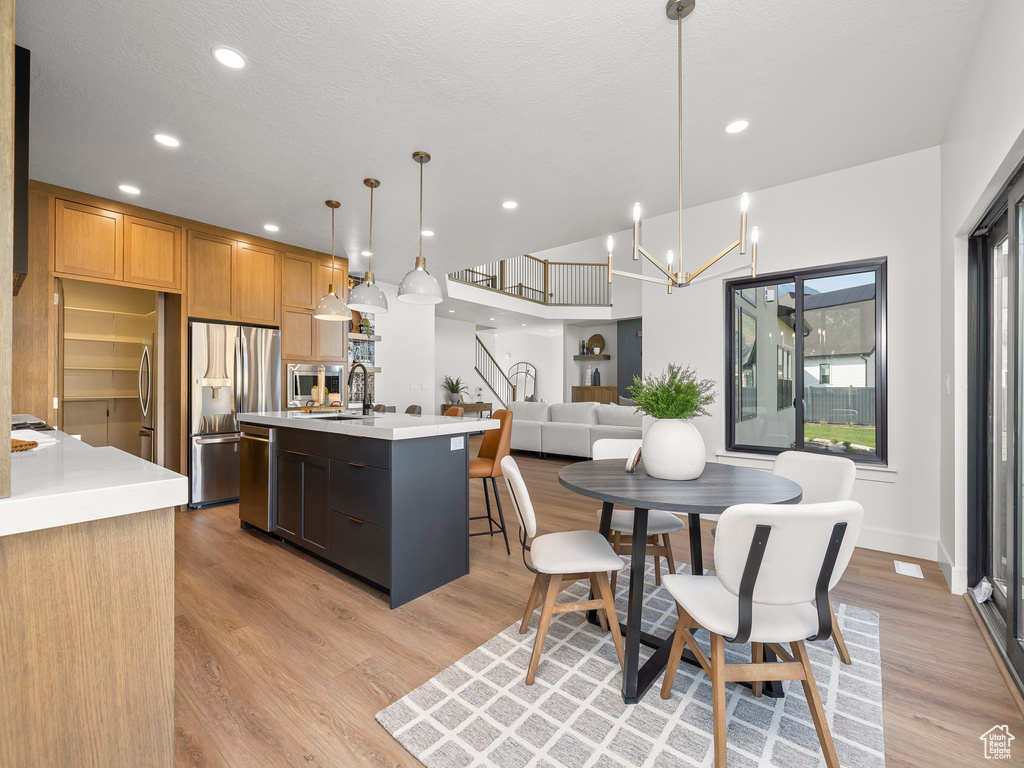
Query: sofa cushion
<point x="573" y="413"/>
<point x="601" y="431"/>
<point x="566" y="439"/>
<point x="529" y="411"/>
<point x="619" y="416"/>
<point x="526" y="435"/>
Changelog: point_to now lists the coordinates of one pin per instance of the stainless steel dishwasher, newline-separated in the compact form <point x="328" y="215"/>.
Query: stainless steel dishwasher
<point x="257" y="497"/>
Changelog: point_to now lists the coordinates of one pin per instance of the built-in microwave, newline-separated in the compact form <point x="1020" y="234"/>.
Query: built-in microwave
<point x="302" y="377"/>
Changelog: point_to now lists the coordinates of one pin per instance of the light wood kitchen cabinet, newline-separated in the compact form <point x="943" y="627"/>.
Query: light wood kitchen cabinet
<point x="257" y="297"/>
<point x="298" y="281"/>
<point x="297" y="332"/>
<point x="152" y="253"/>
<point x="331" y="341"/>
<point x="324" y="280"/>
<point x="88" y="241"/>
<point x="211" y="264"/>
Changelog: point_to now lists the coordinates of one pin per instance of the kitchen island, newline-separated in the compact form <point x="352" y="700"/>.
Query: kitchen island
<point x="384" y="497"/>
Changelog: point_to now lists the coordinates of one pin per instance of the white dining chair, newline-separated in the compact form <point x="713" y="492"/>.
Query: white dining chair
<point x="558" y="559"/>
<point x="774" y="567"/>
<point x="659" y="522"/>
<point x="822" y="478"/>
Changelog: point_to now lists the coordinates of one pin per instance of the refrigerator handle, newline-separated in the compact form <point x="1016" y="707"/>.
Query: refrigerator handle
<point x="243" y="384"/>
<point x="238" y="375"/>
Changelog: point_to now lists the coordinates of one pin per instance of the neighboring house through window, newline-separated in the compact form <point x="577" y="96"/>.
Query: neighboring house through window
<point x="827" y="323"/>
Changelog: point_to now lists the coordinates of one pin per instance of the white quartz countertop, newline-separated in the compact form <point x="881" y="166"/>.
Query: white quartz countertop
<point x="384" y="426"/>
<point x="71" y="482"/>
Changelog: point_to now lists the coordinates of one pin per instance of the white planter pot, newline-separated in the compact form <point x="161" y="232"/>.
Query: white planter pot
<point x="673" y="450"/>
<point x="453" y="398"/>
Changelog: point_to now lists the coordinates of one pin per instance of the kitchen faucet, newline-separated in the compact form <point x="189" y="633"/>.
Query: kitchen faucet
<point x="366" y="386"/>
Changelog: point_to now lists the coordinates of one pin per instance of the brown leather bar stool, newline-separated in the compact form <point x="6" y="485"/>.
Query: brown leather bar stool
<point x="414" y="410"/>
<point x="455" y="411"/>
<point x="378" y="408"/>
<point x="487" y="466"/>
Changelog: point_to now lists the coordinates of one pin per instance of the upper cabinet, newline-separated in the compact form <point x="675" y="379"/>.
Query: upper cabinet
<point x="257" y="284"/>
<point x="298" y="280"/>
<point x="88" y="241"/>
<point x="152" y="253"/>
<point x="211" y="261"/>
<point x="112" y="247"/>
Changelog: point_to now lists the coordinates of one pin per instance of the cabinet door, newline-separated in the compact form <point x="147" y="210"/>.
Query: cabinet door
<point x="297" y="281"/>
<point x="331" y="341"/>
<point x="324" y="278"/>
<point x="152" y="253"/>
<point x="315" y="503"/>
<point x="289" y="494"/>
<point x="257" y="296"/>
<point x="88" y="241"/>
<point x="297" y="334"/>
<point x="210" y="276"/>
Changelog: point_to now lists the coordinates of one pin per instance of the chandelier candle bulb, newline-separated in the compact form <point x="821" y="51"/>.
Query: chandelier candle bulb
<point x="610" y="243"/>
<point x="754" y="236"/>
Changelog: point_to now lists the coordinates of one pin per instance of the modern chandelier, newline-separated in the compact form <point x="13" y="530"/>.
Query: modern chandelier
<point x="673" y="274"/>
<point x="367" y="297"/>
<point x="419" y="286"/>
<point x="331" y="306"/>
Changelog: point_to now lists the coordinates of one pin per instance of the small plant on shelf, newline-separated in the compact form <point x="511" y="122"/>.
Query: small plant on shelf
<point x="454" y="387"/>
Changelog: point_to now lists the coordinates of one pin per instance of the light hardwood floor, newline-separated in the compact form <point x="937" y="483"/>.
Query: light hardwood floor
<point x="282" y="661"/>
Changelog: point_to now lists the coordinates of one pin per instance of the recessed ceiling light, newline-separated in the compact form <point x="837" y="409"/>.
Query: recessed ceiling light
<point x="128" y="189"/>
<point x="229" y="57"/>
<point x="451" y="310"/>
<point x="491" y="318"/>
<point x="427" y="233"/>
<point x="271" y="227"/>
<point x="166" y="140"/>
<point x="510" y="204"/>
<point x="366" y="253"/>
<point x="523" y="324"/>
<point x="736" y="126"/>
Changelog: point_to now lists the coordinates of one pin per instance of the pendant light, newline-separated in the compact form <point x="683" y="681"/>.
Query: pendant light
<point x="332" y="306"/>
<point x="367" y="297"/>
<point x="419" y="286"/>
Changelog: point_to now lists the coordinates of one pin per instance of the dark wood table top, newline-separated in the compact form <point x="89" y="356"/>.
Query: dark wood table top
<point x="718" y="488"/>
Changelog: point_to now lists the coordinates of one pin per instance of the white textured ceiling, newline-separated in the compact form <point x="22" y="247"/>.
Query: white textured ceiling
<point x="567" y="107"/>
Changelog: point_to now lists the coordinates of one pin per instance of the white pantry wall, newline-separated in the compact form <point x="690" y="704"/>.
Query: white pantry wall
<point x="982" y="144"/>
<point x="405" y="354"/>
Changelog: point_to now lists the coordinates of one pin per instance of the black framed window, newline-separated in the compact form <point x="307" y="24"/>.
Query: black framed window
<point x="823" y="332"/>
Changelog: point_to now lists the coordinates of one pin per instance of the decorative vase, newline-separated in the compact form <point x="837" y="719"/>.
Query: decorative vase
<point x="597" y="377"/>
<point x="453" y="398"/>
<point x="674" y="450"/>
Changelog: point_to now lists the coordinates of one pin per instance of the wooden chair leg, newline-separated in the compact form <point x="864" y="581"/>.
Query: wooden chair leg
<point x="531" y="604"/>
<point x="718" y="697"/>
<point x="616" y="547"/>
<point x="554" y="582"/>
<point x="757" y="657"/>
<point x="657" y="567"/>
<point x="669" y="557"/>
<point x="675" y="655"/>
<point x="828" y="748"/>
<point x="838" y="639"/>
<point x="605" y="590"/>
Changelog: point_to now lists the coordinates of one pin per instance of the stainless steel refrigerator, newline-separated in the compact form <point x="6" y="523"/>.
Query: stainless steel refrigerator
<point x="232" y="369"/>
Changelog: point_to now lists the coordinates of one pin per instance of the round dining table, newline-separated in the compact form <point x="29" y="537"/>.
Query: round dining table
<point x="719" y="487"/>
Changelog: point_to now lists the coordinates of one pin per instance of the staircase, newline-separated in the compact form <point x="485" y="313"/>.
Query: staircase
<point x="494" y="377"/>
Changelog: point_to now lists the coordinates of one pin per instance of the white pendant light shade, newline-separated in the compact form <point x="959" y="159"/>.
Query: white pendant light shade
<point x="332" y="306"/>
<point x="368" y="299"/>
<point x="419" y="286"/>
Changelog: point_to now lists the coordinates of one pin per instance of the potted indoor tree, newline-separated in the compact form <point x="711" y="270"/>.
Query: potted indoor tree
<point x="454" y="387"/>
<point x="672" y="446"/>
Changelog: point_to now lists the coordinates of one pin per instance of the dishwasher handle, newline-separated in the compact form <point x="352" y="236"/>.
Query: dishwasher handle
<point x="216" y="440"/>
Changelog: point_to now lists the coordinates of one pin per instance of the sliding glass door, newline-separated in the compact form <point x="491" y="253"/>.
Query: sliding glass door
<point x="997" y="281"/>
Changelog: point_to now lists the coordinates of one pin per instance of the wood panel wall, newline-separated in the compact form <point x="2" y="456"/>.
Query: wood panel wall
<point x="6" y="233"/>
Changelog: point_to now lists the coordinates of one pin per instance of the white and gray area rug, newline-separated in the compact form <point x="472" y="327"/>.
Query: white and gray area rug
<point x="479" y="712"/>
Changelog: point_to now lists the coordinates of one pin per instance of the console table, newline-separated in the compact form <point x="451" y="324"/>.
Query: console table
<point x="478" y="408"/>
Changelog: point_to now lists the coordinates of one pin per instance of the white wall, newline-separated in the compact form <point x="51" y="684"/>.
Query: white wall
<point x="542" y="350"/>
<point x="889" y="208"/>
<point x="982" y="144"/>
<point x="574" y="371"/>
<point x="455" y="355"/>
<point x="405" y="354"/>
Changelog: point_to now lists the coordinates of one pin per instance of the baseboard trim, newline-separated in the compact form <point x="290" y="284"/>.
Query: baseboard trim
<point x="955" y="577"/>
<point x="897" y="543"/>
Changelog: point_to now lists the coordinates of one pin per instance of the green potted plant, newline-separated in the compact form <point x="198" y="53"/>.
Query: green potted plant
<point x="672" y="446"/>
<point x="454" y="387"/>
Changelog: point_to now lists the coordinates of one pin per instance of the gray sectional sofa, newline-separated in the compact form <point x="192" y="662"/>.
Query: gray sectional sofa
<point x="570" y="429"/>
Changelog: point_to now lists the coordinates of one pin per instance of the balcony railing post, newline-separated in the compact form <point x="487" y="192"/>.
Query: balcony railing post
<point x="501" y="275"/>
<point x="546" y="270"/>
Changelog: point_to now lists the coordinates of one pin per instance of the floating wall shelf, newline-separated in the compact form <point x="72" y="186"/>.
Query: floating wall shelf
<point x="591" y="357"/>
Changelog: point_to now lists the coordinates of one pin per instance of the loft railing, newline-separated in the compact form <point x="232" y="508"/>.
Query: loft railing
<point x="556" y="283"/>
<point x="492" y="374"/>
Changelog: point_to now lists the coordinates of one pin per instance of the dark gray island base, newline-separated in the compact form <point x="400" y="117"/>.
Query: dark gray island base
<point x="393" y="512"/>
